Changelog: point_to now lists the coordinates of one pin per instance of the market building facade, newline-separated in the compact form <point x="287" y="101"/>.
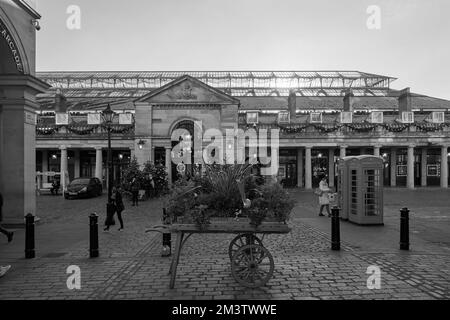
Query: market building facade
<point x="322" y="116"/>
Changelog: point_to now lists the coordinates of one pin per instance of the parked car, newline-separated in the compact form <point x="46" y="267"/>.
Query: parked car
<point x="83" y="187"/>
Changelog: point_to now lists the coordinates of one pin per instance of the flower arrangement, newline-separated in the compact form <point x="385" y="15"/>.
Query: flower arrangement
<point x="229" y="192"/>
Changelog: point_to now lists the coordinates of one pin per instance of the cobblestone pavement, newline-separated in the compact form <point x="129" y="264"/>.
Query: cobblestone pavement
<point x="130" y="265"/>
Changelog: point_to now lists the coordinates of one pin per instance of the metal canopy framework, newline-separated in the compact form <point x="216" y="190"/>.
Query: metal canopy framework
<point x="235" y="83"/>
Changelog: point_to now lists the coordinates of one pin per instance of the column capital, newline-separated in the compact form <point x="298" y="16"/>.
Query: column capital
<point x="62" y="147"/>
<point x="343" y="146"/>
<point x="377" y="145"/>
<point x="98" y="148"/>
<point x="412" y="145"/>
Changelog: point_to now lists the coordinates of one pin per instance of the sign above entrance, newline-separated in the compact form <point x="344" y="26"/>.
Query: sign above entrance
<point x="12" y="46"/>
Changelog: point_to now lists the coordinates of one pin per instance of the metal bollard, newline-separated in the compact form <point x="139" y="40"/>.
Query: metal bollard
<point x="404" y="229"/>
<point x="29" y="237"/>
<point x="166" y="237"/>
<point x="93" y="235"/>
<point x="335" y="232"/>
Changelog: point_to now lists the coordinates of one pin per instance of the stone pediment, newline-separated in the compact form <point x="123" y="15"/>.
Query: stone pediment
<point x="187" y="90"/>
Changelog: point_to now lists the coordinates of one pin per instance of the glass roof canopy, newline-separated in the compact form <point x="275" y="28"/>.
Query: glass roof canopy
<point x="236" y="83"/>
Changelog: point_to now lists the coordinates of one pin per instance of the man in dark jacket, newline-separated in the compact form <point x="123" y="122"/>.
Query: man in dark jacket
<point x="8" y="234"/>
<point x="134" y="191"/>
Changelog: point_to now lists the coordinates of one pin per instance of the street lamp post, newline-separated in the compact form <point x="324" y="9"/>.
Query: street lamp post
<point x="108" y="116"/>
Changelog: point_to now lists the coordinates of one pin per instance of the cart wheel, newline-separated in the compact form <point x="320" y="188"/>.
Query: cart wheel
<point x="252" y="265"/>
<point x="242" y="240"/>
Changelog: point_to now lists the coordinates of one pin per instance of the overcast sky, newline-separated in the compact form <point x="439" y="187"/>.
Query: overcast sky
<point x="412" y="44"/>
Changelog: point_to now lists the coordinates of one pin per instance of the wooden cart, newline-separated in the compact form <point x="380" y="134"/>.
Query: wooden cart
<point x="252" y="265"/>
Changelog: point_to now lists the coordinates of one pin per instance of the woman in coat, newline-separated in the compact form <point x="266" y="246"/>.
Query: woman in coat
<point x="324" y="200"/>
<point x="118" y="202"/>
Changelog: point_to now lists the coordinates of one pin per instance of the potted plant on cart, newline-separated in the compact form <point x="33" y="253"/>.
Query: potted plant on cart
<point x="229" y="199"/>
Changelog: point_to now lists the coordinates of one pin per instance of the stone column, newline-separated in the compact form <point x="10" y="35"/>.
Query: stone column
<point x="393" y="166"/>
<point x="342" y="151"/>
<point x="308" y="168"/>
<point x="423" y="167"/>
<point x="331" y="167"/>
<point x="169" y="164"/>
<point x="444" y="167"/>
<point x="376" y="150"/>
<point x="300" y="168"/>
<point x="99" y="163"/>
<point x="410" y="173"/>
<point x="76" y="173"/>
<point x="44" y="165"/>
<point x="64" y="168"/>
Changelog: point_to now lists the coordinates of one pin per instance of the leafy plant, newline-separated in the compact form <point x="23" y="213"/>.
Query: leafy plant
<point x="159" y="176"/>
<point x="130" y="172"/>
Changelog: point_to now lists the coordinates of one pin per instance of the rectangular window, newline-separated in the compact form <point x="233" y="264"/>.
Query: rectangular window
<point x="93" y="118"/>
<point x="346" y="117"/>
<point x="252" y="117"/>
<point x="407" y="117"/>
<point x="376" y="116"/>
<point x="315" y="117"/>
<point x="125" y="118"/>
<point x="283" y="117"/>
<point x="61" y="118"/>
<point x="438" y="117"/>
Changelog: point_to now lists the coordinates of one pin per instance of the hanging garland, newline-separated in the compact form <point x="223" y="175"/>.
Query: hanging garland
<point x="326" y="128"/>
<point x="361" y="127"/>
<point x="46" y="131"/>
<point x="396" y="127"/>
<point x="120" y="129"/>
<point x="81" y="129"/>
<point x="292" y="128"/>
<point x="429" y="127"/>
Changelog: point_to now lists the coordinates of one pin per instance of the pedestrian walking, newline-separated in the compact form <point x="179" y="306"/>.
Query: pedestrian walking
<point x="9" y="234"/>
<point x="118" y="203"/>
<point x="323" y="192"/>
<point x="135" y="191"/>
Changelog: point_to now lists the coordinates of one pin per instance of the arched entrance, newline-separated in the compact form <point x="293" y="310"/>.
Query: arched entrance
<point x="185" y="128"/>
<point x="18" y="87"/>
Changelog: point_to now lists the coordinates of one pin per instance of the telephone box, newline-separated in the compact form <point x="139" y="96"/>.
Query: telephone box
<point x="360" y="182"/>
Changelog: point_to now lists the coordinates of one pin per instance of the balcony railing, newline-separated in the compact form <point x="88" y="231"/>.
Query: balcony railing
<point x="79" y="131"/>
